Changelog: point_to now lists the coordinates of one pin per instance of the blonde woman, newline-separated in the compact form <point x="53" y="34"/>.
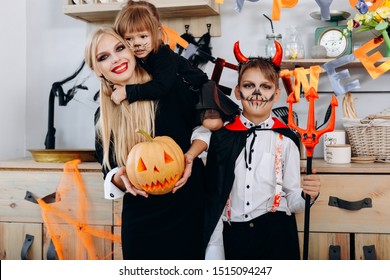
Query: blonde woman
<point x="153" y="227"/>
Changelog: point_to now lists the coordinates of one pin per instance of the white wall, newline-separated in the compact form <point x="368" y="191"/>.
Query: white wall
<point x="55" y="49"/>
<point x="46" y="46"/>
<point x="13" y="80"/>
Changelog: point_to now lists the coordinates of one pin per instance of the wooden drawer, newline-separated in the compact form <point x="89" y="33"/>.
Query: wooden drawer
<point x="319" y="244"/>
<point x="14" y="207"/>
<point x="351" y="187"/>
<point x="12" y="240"/>
<point x="380" y="241"/>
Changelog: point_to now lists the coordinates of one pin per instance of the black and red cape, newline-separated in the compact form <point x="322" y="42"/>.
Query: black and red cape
<point x="225" y="146"/>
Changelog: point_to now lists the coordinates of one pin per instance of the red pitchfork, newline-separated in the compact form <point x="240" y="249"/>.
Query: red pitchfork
<point x="310" y="137"/>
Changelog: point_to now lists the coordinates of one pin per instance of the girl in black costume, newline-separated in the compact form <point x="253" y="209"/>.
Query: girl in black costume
<point x="138" y="22"/>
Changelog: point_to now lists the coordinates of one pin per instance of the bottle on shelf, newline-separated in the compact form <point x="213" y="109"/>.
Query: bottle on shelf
<point x="270" y="46"/>
<point x="294" y="47"/>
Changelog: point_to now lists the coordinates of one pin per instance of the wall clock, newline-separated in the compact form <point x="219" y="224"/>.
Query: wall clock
<point x="333" y="40"/>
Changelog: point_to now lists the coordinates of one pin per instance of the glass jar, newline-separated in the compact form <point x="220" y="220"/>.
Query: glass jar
<point x="270" y="46"/>
<point x="293" y="48"/>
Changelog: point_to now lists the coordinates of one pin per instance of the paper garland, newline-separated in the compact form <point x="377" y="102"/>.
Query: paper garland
<point x="369" y="61"/>
<point x="300" y="74"/>
<point x="324" y="6"/>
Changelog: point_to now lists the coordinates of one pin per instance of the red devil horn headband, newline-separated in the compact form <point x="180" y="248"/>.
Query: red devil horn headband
<point x="276" y="60"/>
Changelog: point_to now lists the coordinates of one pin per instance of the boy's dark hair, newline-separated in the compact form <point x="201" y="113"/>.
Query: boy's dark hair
<point x="270" y="70"/>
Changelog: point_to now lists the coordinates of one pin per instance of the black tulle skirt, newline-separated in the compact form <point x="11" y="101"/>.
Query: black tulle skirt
<point x="166" y="227"/>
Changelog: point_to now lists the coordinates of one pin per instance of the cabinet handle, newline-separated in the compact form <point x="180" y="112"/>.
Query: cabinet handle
<point x="369" y="252"/>
<point x="51" y="251"/>
<point x="28" y="240"/>
<point x="334" y="252"/>
<point x="350" y="205"/>
<point x="50" y="198"/>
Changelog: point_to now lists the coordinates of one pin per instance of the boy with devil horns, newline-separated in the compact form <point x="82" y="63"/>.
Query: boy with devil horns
<point x="253" y="173"/>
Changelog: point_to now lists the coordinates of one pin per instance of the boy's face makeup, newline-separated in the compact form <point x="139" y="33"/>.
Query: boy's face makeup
<point x="115" y="62"/>
<point x="140" y="43"/>
<point x="257" y="95"/>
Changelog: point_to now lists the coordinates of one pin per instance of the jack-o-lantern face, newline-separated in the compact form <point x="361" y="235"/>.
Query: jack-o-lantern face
<point x="156" y="165"/>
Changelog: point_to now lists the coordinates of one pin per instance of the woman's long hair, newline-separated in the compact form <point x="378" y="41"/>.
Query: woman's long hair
<point x="118" y="123"/>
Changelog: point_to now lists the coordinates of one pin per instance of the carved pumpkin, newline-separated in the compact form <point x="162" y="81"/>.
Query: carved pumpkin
<point x="155" y="165"/>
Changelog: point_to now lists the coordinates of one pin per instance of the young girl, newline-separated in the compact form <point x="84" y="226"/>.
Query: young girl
<point x="138" y="22"/>
<point x="253" y="176"/>
<point x="166" y="226"/>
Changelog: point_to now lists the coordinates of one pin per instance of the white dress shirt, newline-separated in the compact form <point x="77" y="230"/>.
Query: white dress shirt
<point x="254" y="186"/>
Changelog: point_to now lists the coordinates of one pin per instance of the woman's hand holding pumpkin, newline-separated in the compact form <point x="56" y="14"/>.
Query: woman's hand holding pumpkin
<point x="121" y="180"/>
<point x="189" y="159"/>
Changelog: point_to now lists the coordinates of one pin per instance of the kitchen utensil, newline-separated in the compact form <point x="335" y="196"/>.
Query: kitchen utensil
<point x="282" y="112"/>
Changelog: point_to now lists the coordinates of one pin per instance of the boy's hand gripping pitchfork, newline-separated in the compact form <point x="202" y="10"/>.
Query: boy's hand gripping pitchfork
<point x="310" y="137"/>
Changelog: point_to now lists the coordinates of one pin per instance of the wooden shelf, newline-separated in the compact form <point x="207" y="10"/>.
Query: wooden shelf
<point x="106" y="12"/>
<point x="306" y="63"/>
<point x="349" y="168"/>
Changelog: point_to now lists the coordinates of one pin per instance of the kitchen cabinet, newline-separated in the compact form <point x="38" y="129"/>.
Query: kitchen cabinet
<point x="337" y="224"/>
<point x="19" y="216"/>
<point x="174" y="13"/>
<point x="346" y="232"/>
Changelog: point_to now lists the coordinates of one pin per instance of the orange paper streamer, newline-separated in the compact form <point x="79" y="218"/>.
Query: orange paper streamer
<point x="300" y="77"/>
<point x="278" y="4"/>
<point x="285" y="75"/>
<point x="369" y="61"/>
<point x="57" y="218"/>
<point x="172" y="38"/>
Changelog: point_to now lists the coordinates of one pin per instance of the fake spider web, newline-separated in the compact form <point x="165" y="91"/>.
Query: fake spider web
<point x="70" y="231"/>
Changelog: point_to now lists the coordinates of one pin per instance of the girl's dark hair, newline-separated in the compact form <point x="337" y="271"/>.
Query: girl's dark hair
<point x="147" y="5"/>
<point x="139" y="17"/>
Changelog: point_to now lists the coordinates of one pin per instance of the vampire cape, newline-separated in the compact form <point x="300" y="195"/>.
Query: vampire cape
<point x="225" y="146"/>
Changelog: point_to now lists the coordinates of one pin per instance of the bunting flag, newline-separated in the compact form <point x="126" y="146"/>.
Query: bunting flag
<point x="279" y="4"/>
<point x="324" y="7"/>
<point x="240" y="4"/>
<point x="337" y="79"/>
<point x="369" y="61"/>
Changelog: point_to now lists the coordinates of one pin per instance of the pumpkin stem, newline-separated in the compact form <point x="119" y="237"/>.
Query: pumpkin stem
<point x="144" y="133"/>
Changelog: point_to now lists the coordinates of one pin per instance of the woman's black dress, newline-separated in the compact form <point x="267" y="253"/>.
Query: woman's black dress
<point x="167" y="226"/>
